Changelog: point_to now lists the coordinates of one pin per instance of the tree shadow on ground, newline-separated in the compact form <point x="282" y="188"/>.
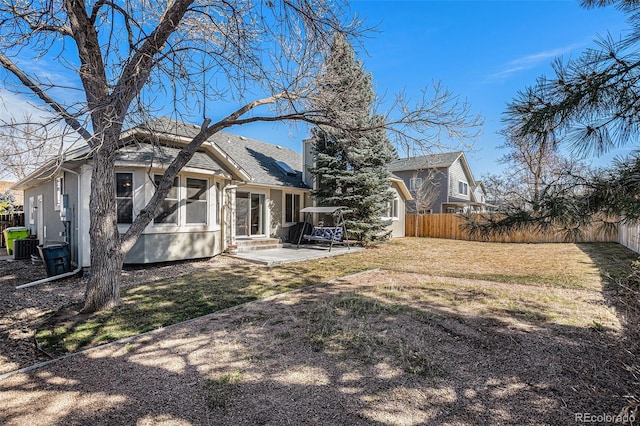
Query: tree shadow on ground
<point x="332" y="355"/>
<point x="165" y="302"/>
<point x="621" y="292"/>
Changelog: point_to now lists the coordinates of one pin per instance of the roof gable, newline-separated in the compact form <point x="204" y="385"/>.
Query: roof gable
<point x="422" y="162"/>
<point x="158" y="155"/>
<point x="258" y="159"/>
<point x="247" y="159"/>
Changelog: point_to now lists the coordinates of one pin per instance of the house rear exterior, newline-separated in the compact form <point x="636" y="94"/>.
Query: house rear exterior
<point x="234" y="188"/>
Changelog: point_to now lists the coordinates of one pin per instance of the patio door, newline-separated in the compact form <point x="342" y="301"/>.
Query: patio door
<point x="249" y="214"/>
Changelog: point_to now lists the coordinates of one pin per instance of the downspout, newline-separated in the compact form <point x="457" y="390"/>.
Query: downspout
<point x="79" y="267"/>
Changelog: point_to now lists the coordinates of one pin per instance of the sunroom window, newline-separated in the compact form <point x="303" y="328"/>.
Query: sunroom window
<point x="168" y="213"/>
<point x="124" y="197"/>
<point x="196" y="201"/>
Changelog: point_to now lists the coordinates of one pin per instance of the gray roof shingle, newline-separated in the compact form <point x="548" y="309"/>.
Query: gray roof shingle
<point x="425" y="162"/>
<point x="162" y="156"/>
<point x="255" y="157"/>
<point x="259" y="159"/>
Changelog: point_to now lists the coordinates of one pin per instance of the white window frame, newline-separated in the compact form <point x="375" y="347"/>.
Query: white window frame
<point x="293" y="214"/>
<point x="393" y="210"/>
<point x="216" y="204"/>
<point x="463" y="187"/>
<point x="415" y="183"/>
<point x="177" y="200"/>
<point x="205" y="201"/>
<point x="133" y="194"/>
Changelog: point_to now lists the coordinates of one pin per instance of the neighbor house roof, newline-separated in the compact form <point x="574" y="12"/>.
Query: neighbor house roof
<point x="423" y="162"/>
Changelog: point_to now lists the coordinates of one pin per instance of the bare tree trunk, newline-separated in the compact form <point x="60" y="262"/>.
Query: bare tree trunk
<point x="103" y="289"/>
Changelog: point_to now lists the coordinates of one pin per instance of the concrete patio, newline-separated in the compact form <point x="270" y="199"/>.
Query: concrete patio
<point x="292" y="254"/>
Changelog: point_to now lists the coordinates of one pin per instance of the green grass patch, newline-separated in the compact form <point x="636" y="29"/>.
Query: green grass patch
<point x="150" y="306"/>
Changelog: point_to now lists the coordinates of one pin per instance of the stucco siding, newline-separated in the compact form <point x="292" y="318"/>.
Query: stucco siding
<point x="51" y="226"/>
<point x="275" y="206"/>
<point x="71" y="183"/>
<point x="397" y="223"/>
<point x="165" y="247"/>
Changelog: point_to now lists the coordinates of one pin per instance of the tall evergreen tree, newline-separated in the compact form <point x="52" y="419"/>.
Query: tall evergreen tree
<point x="351" y="164"/>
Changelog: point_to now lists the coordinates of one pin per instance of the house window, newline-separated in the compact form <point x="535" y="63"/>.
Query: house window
<point x="463" y="188"/>
<point x="415" y="184"/>
<point x="292" y="207"/>
<point x="218" y="207"/>
<point x="393" y="209"/>
<point x="124" y="197"/>
<point x="196" y="210"/>
<point x="168" y="212"/>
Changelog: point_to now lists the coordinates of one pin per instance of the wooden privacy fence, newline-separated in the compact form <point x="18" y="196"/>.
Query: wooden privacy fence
<point x="629" y="236"/>
<point x="448" y="226"/>
<point x="7" y="221"/>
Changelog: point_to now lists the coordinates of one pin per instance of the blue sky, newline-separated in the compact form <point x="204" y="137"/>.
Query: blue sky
<point x="484" y="51"/>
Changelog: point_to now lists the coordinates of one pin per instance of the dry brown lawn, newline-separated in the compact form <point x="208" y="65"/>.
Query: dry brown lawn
<point x="445" y="332"/>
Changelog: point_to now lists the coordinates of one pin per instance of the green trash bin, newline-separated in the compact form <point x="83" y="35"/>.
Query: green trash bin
<point x="14" y="233"/>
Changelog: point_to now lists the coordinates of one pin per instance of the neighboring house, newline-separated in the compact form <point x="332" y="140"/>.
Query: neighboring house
<point x="480" y="195"/>
<point x="17" y="195"/>
<point x="233" y="188"/>
<point x="445" y="180"/>
<point x="396" y="210"/>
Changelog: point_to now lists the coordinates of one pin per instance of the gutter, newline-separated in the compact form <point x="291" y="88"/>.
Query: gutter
<point x="79" y="267"/>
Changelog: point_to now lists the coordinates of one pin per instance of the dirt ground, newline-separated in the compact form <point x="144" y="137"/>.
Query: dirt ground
<point x="22" y="311"/>
<point x="361" y="350"/>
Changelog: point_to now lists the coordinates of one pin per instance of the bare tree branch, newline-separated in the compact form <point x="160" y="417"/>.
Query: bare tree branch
<point x="71" y="120"/>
